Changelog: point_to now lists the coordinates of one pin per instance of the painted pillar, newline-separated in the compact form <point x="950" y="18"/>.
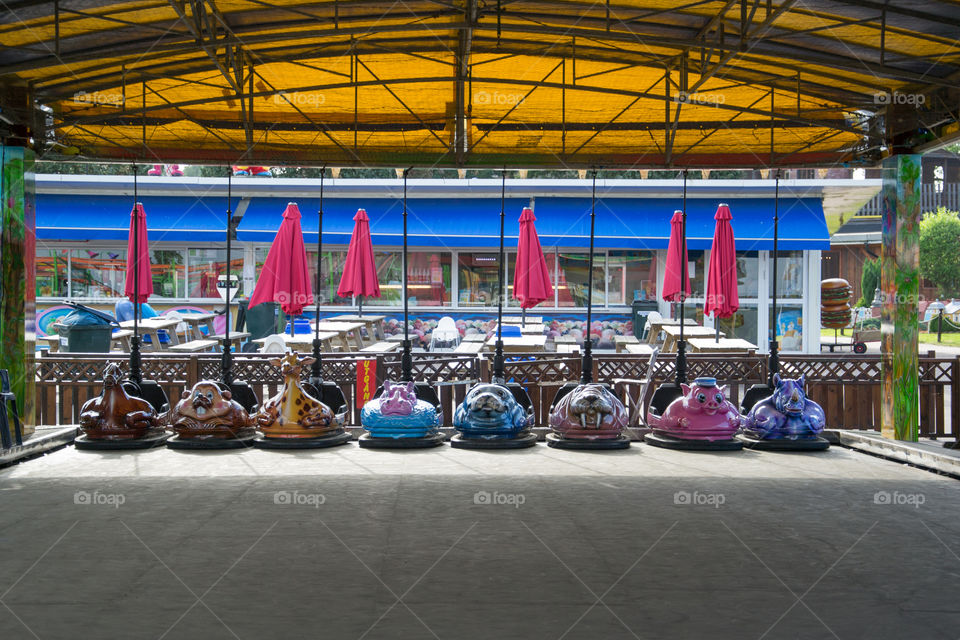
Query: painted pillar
<point x="900" y="284"/>
<point x="18" y="276"/>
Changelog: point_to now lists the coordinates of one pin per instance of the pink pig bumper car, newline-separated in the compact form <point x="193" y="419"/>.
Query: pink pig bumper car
<point x="701" y="419"/>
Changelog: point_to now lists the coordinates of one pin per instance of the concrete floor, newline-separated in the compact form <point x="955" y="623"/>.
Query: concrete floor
<point x="352" y="543"/>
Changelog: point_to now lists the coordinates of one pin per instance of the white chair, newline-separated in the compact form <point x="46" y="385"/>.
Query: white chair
<point x="182" y="329"/>
<point x="445" y="335"/>
<point x="653" y="316"/>
<point x="274" y="344"/>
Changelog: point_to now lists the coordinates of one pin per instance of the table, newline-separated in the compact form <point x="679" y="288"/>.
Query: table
<point x="519" y="319"/>
<point x="194" y="320"/>
<point x="518" y="345"/>
<point x="152" y="327"/>
<point x="303" y="342"/>
<point x="344" y="329"/>
<point x="654" y="327"/>
<point x="672" y="335"/>
<point x="373" y="324"/>
<point x="474" y="337"/>
<point x="621" y="342"/>
<point x="469" y="347"/>
<point x="638" y="349"/>
<point x="725" y="345"/>
<point x="236" y="338"/>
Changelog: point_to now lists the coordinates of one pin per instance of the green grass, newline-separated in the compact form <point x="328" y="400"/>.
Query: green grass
<point x="949" y="339"/>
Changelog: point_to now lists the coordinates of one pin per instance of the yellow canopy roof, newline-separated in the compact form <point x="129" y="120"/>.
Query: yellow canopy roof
<point x="471" y="83"/>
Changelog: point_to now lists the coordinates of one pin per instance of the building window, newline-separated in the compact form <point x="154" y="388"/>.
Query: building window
<point x="428" y="278"/>
<point x="98" y="274"/>
<point x="169" y="275"/>
<point x="632" y="276"/>
<point x="572" y="280"/>
<point x="205" y="266"/>
<point x="789" y="274"/>
<point x="52" y="273"/>
<point x="748" y="274"/>
<point x="742" y="324"/>
<point x="478" y="279"/>
<point x="333" y="262"/>
<point x="790" y="328"/>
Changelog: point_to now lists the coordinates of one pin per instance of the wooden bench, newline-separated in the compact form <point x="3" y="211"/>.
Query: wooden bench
<point x="235" y="338"/>
<point x="121" y="339"/>
<point x="53" y="342"/>
<point x="194" y="346"/>
<point x="381" y="347"/>
<point x="568" y="348"/>
<point x="621" y="342"/>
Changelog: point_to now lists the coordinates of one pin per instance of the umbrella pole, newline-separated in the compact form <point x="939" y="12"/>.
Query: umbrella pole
<point x="226" y="357"/>
<point x="586" y="366"/>
<point x="360" y="306"/>
<point x="523" y="317"/>
<point x="774" y="356"/>
<point x="135" y="373"/>
<point x="315" y="371"/>
<point x="406" y="358"/>
<point x="682" y="344"/>
<point x="498" y="372"/>
<point x="716" y="325"/>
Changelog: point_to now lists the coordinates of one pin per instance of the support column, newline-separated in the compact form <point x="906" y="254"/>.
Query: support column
<point x="18" y="277"/>
<point x="900" y="284"/>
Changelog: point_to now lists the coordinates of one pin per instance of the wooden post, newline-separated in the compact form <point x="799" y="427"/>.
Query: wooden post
<point x="18" y="240"/>
<point x="900" y="284"/>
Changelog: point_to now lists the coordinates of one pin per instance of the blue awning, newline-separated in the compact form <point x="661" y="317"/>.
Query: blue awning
<point x="621" y="223"/>
<point x="431" y="222"/>
<point x="100" y="217"/>
<point x="644" y="223"/>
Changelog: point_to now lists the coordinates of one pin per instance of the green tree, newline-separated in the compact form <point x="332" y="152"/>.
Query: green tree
<point x="869" y="282"/>
<point x="940" y="250"/>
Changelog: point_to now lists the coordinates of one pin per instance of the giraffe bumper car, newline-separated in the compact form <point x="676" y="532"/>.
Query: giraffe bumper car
<point x="296" y="418"/>
<point x="397" y="419"/>
<point x="118" y="418"/>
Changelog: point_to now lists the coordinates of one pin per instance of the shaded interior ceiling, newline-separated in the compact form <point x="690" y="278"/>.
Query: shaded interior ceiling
<point x="474" y="83"/>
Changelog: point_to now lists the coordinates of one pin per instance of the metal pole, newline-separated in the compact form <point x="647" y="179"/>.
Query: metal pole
<point x="406" y="358"/>
<point x="774" y="356"/>
<point x="498" y="374"/>
<point x="940" y="326"/>
<point x="682" y="344"/>
<point x="586" y="366"/>
<point x="135" y="373"/>
<point x="315" y="375"/>
<point x="226" y="357"/>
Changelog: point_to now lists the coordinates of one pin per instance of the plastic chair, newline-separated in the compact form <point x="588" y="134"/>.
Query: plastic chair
<point x="653" y="316"/>
<point x="300" y="325"/>
<point x="274" y="344"/>
<point x="183" y="328"/>
<point x="445" y="335"/>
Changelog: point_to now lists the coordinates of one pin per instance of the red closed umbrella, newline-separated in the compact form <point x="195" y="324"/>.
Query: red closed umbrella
<point x="722" y="299"/>
<point x="139" y="283"/>
<point x="285" y="277"/>
<point x="670" y="291"/>
<point x="531" y="278"/>
<point x="359" y="276"/>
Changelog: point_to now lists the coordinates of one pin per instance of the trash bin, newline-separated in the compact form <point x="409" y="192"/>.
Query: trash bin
<point x="84" y="330"/>
<point x="639" y="315"/>
<point x="262" y="320"/>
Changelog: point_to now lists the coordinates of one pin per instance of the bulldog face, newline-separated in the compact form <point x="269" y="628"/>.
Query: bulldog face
<point x="205" y="401"/>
